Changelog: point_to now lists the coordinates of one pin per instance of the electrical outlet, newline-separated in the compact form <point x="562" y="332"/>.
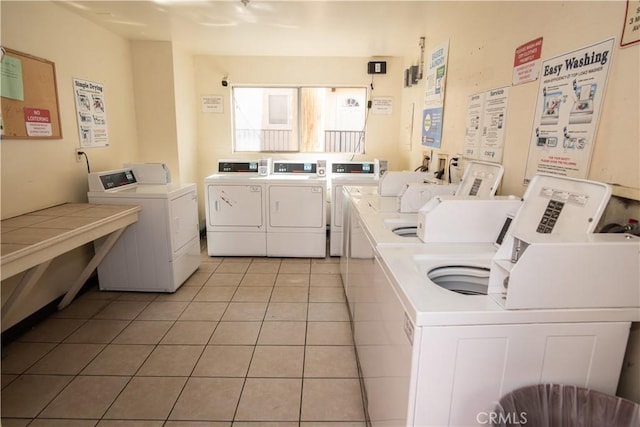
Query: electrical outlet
<point x="79" y="154"/>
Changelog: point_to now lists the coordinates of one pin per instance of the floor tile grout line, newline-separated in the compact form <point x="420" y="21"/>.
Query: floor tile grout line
<point x="208" y="343"/>
<point x="155" y="346"/>
<point x="204" y="347"/>
<point x="253" y="352"/>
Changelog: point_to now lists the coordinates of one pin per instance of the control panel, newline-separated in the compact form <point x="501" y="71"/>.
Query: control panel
<point x="238" y="167"/>
<point x="355" y="168"/>
<point x="111" y="180"/>
<point x="287" y="167"/>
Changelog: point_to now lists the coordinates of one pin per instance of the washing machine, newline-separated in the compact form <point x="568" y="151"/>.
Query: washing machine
<point x="363" y="174"/>
<point x="160" y="251"/>
<point x="473" y="202"/>
<point x="235" y="208"/>
<point x="480" y="180"/>
<point x="452" y="327"/>
<point x="296" y="209"/>
<point x="472" y="215"/>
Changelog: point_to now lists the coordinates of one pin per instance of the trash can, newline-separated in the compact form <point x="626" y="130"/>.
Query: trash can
<point x="557" y="405"/>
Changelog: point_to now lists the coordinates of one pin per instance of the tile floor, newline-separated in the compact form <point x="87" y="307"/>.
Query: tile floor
<point x="245" y="342"/>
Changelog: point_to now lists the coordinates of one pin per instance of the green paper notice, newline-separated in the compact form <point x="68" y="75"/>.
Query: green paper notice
<point x="11" y="78"/>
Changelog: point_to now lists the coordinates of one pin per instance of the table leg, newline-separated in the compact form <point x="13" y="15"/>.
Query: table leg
<point x="23" y="288"/>
<point x="93" y="264"/>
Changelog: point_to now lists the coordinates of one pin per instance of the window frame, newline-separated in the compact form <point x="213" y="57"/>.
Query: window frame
<point x="357" y="137"/>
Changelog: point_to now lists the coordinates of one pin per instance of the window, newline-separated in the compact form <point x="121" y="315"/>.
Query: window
<point x="299" y="119"/>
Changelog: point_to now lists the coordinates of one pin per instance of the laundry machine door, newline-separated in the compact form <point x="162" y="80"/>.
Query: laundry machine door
<point x="235" y="206"/>
<point x="184" y="219"/>
<point x="297" y="207"/>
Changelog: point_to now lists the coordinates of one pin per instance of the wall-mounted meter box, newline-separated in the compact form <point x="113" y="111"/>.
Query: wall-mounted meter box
<point x="377" y="67"/>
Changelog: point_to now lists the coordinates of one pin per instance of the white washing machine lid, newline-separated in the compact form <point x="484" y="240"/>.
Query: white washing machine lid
<point x="151" y="191"/>
<point x="380" y="228"/>
<point x="428" y="304"/>
<point x="354" y="179"/>
<point x="235" y="177"/>
<point x="374" y="203"/>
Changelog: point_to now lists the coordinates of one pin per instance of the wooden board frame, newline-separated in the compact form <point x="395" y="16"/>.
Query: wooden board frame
<point x="40" y="92"/>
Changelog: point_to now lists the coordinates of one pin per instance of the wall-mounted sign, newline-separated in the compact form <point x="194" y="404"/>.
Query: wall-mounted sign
<point x="37" y="122"/>
<point x="91" y="113"/>
<point x="526" y="63"/>
<point x="212" y="103"/>
<point x="432" y="113"/>
<point x="382" y="105"/>
<point x="486" y="124"/>
<point x="631" y="26"/>
<point x="570" y="98"/>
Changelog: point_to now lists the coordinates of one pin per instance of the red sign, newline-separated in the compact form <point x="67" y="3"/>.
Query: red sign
<point x="528" y="52"/>
<point x="527" y="62"/>
<point x="37" y="122"/>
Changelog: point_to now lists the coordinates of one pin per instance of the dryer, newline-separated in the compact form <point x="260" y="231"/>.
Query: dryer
<point x="235" y="208"/>
<point x="161" y="250"/>
<point x="347" y="173"/>
<point x="296" y="209"/>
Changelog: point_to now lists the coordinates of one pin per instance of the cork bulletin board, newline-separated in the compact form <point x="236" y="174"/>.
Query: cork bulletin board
<point x="29" y="97"/>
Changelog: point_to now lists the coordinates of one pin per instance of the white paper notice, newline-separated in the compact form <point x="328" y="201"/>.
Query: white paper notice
<point x="485" y="126"/>
<point x="382" y="105"/>
<point x="212" y="103"/>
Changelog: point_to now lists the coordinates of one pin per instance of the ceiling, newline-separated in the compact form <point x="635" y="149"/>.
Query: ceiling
<point x="266" y="28"/>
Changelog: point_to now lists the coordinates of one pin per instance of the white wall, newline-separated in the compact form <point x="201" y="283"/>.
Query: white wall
<point x="155" y="103"/>
<point x="214" y="130"/>
<point x="186" y="110"/>
<point x="41" y="173"/>
<point x="483" y="37"/>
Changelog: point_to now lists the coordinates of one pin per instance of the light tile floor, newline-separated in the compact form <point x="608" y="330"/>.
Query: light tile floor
<point x="245" y="342"/>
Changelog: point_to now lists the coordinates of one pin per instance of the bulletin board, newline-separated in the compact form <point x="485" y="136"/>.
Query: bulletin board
<point x="39" y="100"/>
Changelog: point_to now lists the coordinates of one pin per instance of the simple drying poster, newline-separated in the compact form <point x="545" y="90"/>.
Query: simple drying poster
<point x="570" y="95"/>
<point x="91" y="113"/>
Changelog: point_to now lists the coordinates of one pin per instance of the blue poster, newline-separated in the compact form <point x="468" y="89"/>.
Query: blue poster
<point x="432" y="127"/>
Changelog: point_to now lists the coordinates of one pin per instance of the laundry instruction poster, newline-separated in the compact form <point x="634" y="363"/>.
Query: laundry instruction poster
<point x="91" y="113"/>
<point x="432" y="113"/>
<point x="570" y="99"/>
<point x="485" y="125"/>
